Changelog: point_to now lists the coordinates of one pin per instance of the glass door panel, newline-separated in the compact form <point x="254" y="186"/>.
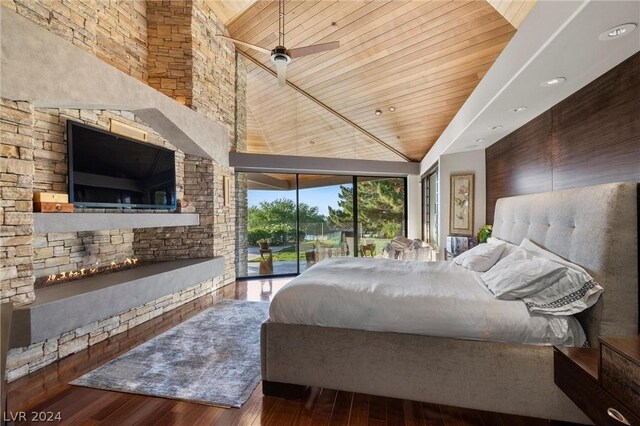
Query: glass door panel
<point x="381" y="213"/>
<point x="271" y="224"/>
<point x="326" y="218"/>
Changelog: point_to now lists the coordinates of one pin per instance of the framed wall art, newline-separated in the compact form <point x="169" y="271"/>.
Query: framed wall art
<point x="461" y="205"/>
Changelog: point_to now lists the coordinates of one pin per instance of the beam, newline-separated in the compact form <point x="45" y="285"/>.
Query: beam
<point x="264" y="163"/>
<point x="328" y="108"/>
<point x="265" y="181"/>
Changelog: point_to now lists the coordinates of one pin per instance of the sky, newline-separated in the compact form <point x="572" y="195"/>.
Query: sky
<point x="320" y="197"/>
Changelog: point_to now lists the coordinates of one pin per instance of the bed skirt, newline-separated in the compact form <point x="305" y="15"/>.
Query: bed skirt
<point x="492" y="376"/>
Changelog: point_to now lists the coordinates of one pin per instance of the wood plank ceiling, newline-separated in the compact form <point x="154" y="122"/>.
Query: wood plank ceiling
<point x="422" y="57"/>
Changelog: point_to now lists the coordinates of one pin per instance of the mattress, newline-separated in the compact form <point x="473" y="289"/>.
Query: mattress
<point x="428" y="298"/>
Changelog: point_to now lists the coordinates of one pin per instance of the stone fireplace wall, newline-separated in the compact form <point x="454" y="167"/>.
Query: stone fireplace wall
<point x="33" y="156"/>
<point x="197" y="70"/>
<point x="55" y="253"/>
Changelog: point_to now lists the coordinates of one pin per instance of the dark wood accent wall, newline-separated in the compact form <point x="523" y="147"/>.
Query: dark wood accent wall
<point x="591" y="137"/>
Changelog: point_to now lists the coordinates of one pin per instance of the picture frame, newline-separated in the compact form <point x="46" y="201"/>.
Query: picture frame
<point x="461" y="198"/>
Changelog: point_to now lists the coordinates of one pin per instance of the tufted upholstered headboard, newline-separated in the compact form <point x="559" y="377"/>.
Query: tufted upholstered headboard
<point x="595" y="227"/>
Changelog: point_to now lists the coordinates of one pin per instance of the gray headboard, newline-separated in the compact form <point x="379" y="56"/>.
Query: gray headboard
<point x="594" y="227"/>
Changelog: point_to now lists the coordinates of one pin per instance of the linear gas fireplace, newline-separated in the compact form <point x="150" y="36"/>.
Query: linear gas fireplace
<point x="86" y="272"/>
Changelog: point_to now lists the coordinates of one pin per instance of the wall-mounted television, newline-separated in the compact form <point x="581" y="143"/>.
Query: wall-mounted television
<point x="110" y="171"/>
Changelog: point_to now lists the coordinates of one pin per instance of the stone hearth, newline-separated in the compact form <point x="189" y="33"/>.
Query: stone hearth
<point x="68" y="306"/>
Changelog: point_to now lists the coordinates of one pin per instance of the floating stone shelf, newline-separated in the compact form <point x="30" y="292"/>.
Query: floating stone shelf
<point x="65" y="307"/>
<point x="75" y="222"/>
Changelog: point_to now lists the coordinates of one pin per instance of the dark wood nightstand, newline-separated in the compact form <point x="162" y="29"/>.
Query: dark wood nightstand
<point x="604" y="383"/>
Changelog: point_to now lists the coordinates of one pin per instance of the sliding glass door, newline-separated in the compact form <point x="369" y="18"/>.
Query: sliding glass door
<point x="271" y="224"/>
<point x="287" y="223"/>
<point x="326" y="218"/>
<point x="381" y="212"/>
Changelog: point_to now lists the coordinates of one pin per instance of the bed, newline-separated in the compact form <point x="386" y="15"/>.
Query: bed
<point x="595" y="227"/>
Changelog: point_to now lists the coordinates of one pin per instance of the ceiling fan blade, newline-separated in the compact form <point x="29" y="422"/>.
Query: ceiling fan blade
<point x="297" y="52"/>
<point x="242" y="43"/>
<point x="281" y="68"/>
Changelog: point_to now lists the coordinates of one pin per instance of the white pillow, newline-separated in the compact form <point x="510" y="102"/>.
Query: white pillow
<point x="521" y="274"/>
<point x="480" y="258"/>
<point x="574" y="292"/>
<point x="508" y="247"/>
<point x="536" y="250"/>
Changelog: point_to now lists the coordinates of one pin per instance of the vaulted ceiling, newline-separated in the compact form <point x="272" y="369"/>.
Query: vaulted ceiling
<point x="424" y="58"/>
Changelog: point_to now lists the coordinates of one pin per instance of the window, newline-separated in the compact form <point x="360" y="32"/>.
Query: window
<point x="430" y="207"/>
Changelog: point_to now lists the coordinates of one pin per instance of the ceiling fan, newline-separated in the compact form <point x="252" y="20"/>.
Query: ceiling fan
<point x="280" y="55"/>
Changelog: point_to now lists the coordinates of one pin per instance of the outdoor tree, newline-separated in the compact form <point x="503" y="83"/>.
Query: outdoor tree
<point x="276" y="220"/>
<point x="380" y="207"/>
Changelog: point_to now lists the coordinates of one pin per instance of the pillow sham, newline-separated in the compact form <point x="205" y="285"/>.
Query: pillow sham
<point x="480" y="258"/>
<point x="521" y="274"/>
<point x="508" y="247"/>
<point x="574" y="292"/>
<point x="536" y="250"/>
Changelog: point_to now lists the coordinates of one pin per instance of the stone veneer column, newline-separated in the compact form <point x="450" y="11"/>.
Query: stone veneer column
<point x="242" y="242"/>
<point x="16" y="209"/>
<point x="170" y="52"/>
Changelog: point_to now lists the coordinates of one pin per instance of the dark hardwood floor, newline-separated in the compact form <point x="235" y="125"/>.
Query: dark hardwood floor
<point x="48" y="391"/>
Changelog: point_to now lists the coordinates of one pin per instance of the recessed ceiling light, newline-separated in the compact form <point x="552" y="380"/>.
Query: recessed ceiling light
<point x="378" y="112"/>
<point x="496" y="127"/>
<point x="616" y="32"/>
<point x="518" y="109"/>
<point x="479" y="140"/>
<point x="553" y="82"/>
<point x="392" y="108"/>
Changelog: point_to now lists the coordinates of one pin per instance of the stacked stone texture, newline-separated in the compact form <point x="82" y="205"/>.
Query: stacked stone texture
<point x="16" y="217"/>
<point x="170" y="52"/>
<point x="113" y="30"/>
<point x="214" y="68"/>
<point x="241" y="183"/>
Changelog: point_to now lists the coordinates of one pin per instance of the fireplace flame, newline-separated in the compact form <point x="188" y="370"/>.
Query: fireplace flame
<point x="83" y="272"/>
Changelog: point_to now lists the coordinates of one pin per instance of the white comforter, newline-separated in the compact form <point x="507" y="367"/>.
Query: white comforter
<point x="430" y="298"/>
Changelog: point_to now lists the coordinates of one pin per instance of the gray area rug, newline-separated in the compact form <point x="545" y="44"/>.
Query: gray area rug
<point x="212" y="358"/>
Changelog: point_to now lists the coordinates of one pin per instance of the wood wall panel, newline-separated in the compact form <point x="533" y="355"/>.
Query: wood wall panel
<point x="517" y="166"/>
<point x="592" y="137"/>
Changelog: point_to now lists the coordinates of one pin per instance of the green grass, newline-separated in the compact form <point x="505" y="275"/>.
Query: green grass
<point x="289" y="253"/>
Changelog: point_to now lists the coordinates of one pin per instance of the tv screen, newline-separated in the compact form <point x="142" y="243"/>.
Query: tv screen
<point x="107" y="170"/>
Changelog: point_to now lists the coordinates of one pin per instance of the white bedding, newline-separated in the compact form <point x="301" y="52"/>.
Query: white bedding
<point x="429" y="298"/>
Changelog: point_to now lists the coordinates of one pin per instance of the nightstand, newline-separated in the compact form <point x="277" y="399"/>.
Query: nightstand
<point x="604" y="383"/>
